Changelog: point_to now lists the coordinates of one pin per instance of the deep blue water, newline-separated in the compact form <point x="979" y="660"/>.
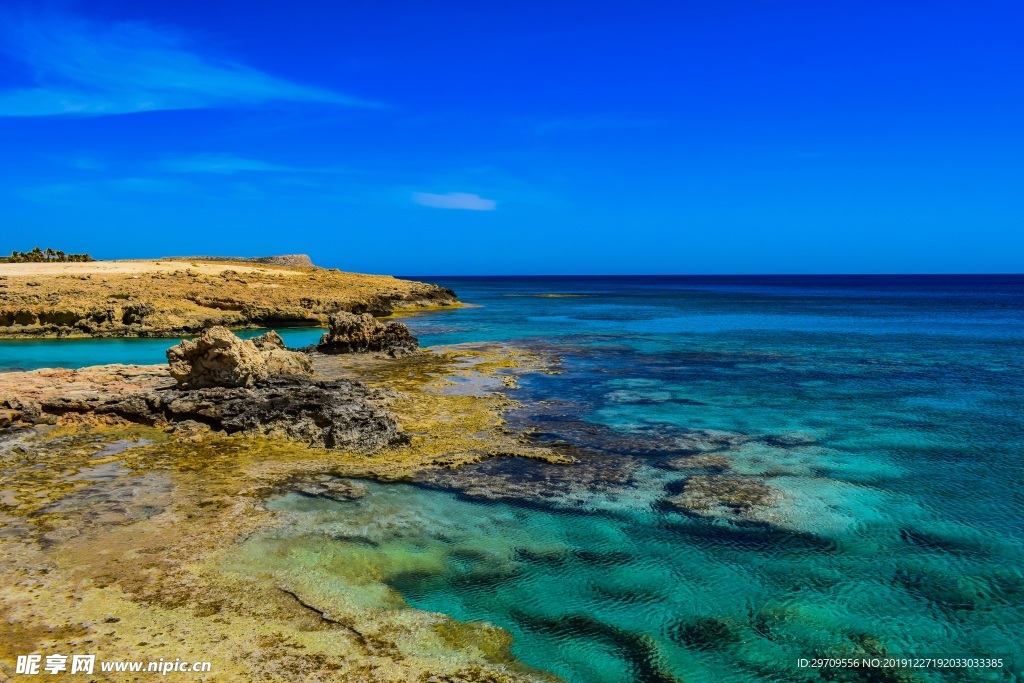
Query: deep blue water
<point x="889" y="411"/>
<point x="886" y="414"/>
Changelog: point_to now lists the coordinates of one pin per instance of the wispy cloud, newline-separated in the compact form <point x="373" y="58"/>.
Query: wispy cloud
<point x="455" y="200"/>
<point x="148" y="185"/>
<point x="227" y="164"/>
<point x="86" y="69"/>
<point x="105" y="192"/>
<point x="218" y="163"/>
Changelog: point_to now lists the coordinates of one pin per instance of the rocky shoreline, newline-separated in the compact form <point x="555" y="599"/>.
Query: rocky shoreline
<point x="175" y="298"/>
<point x="218" y="382"/>
<point x="132" y="484"/>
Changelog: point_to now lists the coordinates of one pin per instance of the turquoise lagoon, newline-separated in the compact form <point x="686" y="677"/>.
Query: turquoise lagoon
<point x="32" y="354"/>
<point x="889" y="413"/>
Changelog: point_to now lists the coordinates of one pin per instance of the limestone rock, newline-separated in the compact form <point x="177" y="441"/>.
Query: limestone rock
<point x="350" y="333"/>
<point x="218" y="358"/>
<point x="8" y="417"/>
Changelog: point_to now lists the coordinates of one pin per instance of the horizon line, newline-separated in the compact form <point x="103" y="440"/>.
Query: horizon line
<point x="950" y="274"/>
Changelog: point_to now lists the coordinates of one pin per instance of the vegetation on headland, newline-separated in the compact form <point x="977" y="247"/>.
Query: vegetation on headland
<point x="37" y="255"/>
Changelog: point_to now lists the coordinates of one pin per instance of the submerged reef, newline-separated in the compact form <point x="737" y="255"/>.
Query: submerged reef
<point x="724" y="495"/>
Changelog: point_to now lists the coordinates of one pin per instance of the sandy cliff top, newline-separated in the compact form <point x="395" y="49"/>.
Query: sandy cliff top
<point x="133" y="267"/>
<point x="180" y="297"/>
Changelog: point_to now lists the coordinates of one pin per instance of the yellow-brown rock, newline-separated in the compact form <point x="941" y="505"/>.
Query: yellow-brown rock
<point x="218" y="358"/>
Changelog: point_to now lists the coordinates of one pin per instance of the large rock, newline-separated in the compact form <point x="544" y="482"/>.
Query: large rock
<point x="351" y="333"/>
<point x="336" y="414"/>
<point x="218" y="358"/>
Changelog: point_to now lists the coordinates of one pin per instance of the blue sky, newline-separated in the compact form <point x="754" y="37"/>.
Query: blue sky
<point x="520" y="137"/>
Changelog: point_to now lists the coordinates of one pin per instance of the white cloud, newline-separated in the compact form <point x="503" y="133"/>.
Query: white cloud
<point x="89" y="70"/>
<point x="454" y="200"/>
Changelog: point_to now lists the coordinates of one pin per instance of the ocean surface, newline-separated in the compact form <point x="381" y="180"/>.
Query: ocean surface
<point x="878" y="420"/>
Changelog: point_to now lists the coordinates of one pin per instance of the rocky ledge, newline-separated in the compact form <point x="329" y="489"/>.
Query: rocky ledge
<point x="216" y="383"/>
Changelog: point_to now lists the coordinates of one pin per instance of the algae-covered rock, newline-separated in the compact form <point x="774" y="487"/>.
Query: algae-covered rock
<point x="218" y="358"/>
<point x="350" y="333"/>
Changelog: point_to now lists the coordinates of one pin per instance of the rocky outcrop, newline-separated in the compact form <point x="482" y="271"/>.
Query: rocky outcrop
<point x="337" y="414"/>
<point x="326" y="486"/>
<point x="217" y="383"/>
<point x="350" y="333"/>
<point x="218" y="358"/>
<point x="294" y="260"/>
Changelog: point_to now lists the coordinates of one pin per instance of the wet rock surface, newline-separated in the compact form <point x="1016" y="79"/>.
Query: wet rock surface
<point x="362" y="333"/>
<point x="336" y="414"/>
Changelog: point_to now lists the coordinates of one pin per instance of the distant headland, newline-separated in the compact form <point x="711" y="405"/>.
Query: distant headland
<point x="179" y="296"/>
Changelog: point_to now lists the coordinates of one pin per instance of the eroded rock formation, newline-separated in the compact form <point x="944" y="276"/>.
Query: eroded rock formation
<point x="350" y="333"/>
<point x="218" y="358"/>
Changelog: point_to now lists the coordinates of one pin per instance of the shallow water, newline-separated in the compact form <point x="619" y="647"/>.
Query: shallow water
<point x="31" y="354"/>
<point x="887" y="414"/>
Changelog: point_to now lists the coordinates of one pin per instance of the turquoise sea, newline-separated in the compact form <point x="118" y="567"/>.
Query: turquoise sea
<point x="885" y="414"/>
